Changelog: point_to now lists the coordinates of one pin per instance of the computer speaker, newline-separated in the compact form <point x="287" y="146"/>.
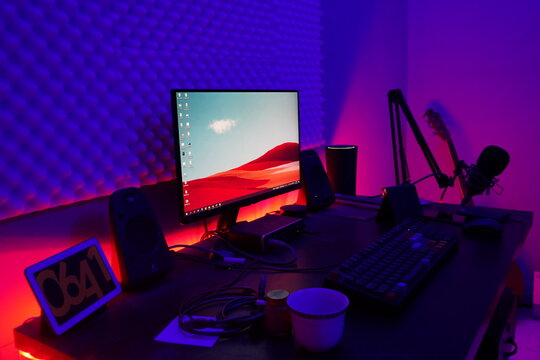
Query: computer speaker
<point x="341" y="168"/>
<point x="317" y="188"/>
<point x="141" y="249"/>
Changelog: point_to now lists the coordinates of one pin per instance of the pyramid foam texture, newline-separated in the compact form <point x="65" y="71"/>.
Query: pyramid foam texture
<point x="84" y="91"/>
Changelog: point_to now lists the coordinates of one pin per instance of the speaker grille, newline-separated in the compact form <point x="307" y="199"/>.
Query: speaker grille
<point x="142" y="233"/>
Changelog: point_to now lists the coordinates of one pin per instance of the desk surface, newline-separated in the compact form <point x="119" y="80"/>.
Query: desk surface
<point x="445" y="319"/>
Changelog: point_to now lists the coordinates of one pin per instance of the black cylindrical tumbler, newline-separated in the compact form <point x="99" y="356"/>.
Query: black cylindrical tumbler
<point x="341" y="168"/>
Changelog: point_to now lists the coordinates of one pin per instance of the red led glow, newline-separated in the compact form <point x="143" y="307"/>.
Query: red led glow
<point x="21" y="303"/>
<point x="27" y="355"/>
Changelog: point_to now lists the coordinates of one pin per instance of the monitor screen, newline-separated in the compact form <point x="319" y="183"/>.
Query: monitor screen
<point x="234" y="148"/>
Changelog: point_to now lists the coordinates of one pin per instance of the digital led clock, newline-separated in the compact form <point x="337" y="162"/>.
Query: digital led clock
<point x="72" y="284"/>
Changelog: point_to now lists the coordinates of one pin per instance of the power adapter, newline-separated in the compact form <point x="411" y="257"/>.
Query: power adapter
<point x="251" y="236"/>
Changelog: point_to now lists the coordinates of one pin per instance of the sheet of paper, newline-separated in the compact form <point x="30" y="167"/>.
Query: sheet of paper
<point x="175" y="335"/>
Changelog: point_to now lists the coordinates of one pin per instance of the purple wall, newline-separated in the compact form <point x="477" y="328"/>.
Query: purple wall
<point x="365" y="55"/>
<point x="478" y="64"/>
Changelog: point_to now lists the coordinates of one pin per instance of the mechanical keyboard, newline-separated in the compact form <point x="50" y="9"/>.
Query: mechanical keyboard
<point x="389" y="269"/>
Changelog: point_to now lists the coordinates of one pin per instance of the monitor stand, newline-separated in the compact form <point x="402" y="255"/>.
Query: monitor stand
<point x="227" y="219"/>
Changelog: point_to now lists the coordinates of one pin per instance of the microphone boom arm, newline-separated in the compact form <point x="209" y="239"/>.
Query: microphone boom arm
<point x="395" y="102"/>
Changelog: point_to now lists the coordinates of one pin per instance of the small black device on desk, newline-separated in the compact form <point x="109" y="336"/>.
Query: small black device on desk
<point x="482" y="227"/>
<point x="390" y="268"/>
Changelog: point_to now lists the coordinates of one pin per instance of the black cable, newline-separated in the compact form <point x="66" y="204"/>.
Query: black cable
<point x="231" y="301"/>
<point x="276" y="269"/>
<point x="443" y="193"/>
<point x="413" y="183"/>
<point x="208" y="261"/>
<point x="426" y="177"/>
<point x="210" y="233"/>
<point x="253" y="262"/>
<point x="514" y="351"/>
<point x="246" y="269"/>
<point x="273" y="242"/>
<point x="450" y="182"/>
<point x="261" y="259"/>
<point x="251" y="265"/>
<point x="194" y="247"/>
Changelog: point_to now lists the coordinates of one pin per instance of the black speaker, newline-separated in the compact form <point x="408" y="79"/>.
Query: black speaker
<point x="141" y="248"/>
<point x="315" y="183"/>
<point x="399" y="203"/>
<point x="341" y="168"/>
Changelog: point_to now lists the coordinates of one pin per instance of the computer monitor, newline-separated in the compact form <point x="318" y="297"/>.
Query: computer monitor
<point x="234" y="148"/>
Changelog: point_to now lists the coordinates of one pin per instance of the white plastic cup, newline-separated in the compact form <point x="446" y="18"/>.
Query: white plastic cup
<point x="318" y="317"/>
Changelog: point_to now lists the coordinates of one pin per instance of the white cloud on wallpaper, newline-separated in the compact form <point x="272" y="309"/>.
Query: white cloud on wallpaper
<point x="222" y="126"/>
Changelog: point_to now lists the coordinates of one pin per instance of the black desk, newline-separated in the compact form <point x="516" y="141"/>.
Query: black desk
<point x="445" y="319"/>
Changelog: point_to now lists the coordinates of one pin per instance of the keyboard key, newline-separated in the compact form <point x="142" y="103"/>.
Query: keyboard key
<point x="389" y="269"/>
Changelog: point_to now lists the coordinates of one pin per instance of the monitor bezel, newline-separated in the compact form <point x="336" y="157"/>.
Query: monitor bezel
<point x="185" y="219"/>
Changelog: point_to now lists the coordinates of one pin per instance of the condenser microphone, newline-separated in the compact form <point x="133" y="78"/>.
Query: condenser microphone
<point x="481" y="177"/>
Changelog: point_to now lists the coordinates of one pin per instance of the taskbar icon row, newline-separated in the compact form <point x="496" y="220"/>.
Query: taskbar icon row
<point x="205" y="208"/>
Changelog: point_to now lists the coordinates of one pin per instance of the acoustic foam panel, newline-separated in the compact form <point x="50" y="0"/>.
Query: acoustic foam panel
<point x="85" y="106"/>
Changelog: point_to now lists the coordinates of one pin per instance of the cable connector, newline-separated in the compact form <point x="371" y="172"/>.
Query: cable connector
<point x="261" y="303"/>
<point x="234" y="260"/>
<point x="227" y="257"/>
